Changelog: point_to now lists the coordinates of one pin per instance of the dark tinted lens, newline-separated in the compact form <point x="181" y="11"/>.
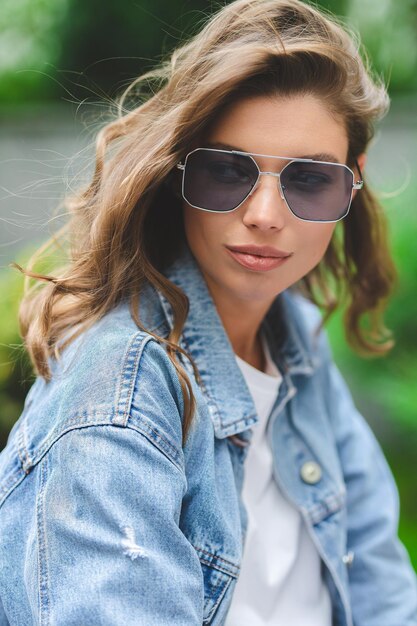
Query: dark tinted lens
<point x="317" y="191"/>
<point x="216" y="180"/>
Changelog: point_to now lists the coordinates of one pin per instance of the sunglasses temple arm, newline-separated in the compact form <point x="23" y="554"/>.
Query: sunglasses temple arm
<point x="360" y="172"/>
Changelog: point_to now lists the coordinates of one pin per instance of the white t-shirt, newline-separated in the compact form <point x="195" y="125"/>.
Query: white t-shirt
<point x="280" y="582"/>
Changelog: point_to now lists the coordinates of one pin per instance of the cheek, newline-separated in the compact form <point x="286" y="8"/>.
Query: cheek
<point x="316" y="240"/>
<point x="193" y="223"/>
<point x="201" y="229"/>
<point x="204" y="228"/>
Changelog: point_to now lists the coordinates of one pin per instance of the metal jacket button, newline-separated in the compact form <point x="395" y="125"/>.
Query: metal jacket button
<point x="310" y="472"/>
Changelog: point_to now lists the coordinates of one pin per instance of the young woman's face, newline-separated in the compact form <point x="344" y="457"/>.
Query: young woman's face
<point x="293" y="127"/>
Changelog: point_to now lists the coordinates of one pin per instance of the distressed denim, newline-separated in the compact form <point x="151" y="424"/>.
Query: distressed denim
<point x="105" y="518"/>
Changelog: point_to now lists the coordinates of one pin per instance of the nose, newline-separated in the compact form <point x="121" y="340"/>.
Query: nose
<point x="265" y="208"/>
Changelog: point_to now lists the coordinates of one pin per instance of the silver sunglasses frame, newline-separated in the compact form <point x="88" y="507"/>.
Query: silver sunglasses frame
<point x="355" y="185"/>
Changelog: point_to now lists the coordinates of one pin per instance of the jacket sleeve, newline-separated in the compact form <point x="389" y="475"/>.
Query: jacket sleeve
<point x="382" y="581"/>
<point x="108" y="544"/>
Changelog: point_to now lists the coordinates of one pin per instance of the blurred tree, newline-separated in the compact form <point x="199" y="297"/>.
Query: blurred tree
<point x="107" y="45"/>
<point x="389" y="31"/>
<point x="29" y="42"/>
<point x="47" y="46"/>
<point x="115" y="43"/>
<point x="338" y="7"/>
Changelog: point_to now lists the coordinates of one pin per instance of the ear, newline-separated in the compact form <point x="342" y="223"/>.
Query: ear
<point x="361" y="160"/>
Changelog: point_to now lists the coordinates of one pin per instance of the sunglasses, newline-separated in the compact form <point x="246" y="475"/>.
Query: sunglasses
<point x="221" y="180"/>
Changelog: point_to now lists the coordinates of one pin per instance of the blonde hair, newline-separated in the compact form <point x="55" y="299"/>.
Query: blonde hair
<point x="116" y="237"/>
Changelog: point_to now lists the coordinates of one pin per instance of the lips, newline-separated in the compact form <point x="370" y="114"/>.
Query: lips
<point x="264" y="251"/>
<point x="258" y="258"/>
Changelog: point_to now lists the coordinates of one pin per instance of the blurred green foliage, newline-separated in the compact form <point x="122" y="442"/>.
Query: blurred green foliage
<point x="15" y="370"/>
<point x="76" y="49"/>
<point x="388" y="29"/>
<point x="391" y="379"/>
<point x="30" y="42"/>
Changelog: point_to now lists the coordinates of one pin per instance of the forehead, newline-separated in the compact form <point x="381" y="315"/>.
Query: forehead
<point x="292" y="126"/>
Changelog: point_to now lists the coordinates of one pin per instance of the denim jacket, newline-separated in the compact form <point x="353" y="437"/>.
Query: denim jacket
<point x="105" y="518"/>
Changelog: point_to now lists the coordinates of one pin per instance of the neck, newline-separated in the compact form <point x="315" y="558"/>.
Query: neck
<point x="254" y="355"/>
<point x="242" y="322"/>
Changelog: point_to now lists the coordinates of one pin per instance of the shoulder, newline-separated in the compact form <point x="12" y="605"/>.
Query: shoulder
<point x="116" y="370"/>
<point x="96" y="373"/>
<point x="113" y="374"/>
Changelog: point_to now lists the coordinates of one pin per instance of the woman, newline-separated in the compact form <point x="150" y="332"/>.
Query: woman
<point x="189" y="453"/>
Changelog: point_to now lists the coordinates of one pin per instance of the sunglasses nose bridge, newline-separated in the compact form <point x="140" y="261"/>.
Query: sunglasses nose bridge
<point x="276" y="175"/>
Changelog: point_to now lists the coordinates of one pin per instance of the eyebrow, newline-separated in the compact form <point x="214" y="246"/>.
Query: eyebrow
<point x="321" y="156"/>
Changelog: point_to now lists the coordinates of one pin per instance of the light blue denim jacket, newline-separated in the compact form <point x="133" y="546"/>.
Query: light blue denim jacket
<point x="106" y="519"/>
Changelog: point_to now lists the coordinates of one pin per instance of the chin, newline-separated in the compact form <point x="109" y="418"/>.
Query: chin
<point x="255" y="295"/>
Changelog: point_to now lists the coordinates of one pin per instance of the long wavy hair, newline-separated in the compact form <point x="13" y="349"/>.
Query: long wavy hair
<point x="126" y="226"/>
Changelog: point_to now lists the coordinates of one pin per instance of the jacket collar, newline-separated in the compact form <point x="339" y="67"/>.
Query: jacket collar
<point x="204" y="337"/>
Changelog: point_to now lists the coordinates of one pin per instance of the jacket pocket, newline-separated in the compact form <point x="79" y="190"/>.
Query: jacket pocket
<point x="218" y="574"/>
